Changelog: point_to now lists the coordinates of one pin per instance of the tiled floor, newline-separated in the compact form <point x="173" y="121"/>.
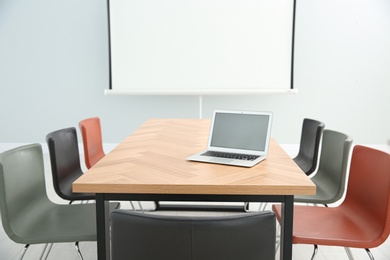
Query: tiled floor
<point x="66" y="251"/>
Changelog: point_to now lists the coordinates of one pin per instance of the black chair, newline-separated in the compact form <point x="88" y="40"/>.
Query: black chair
<point x="151" y="236"/>
<point x="311" y="134"/>
<point x="65" y="163"/>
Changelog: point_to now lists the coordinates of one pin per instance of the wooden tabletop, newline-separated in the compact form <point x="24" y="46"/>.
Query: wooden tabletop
<point x="152" y="160"/>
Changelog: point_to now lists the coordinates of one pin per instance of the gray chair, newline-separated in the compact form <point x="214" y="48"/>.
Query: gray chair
<point x="28" y="215"/>
<point x="331" y="176"/>
<point x="151" y="236"/>
<point x="309" y="145"/>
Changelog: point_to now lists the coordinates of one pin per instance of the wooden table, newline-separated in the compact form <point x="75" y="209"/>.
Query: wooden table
<point x="150" y="165"/>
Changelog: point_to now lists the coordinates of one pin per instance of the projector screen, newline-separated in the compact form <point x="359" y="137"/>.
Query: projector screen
<point x="201" y="47"/>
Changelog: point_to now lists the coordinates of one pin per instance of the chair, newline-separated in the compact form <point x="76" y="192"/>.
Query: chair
<point x="363" y="218"/>
<point x="307" y="156"/>
<point x="330" y="178"/>
<point x="65" y="163"/>
<point x="28" y="215"/>
<point x="91" y="133"/>
<point x="92" y="140"/>
<point x="152" y="236"/>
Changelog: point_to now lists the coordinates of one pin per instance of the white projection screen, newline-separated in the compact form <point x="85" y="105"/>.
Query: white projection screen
<point x="200" y="47"/>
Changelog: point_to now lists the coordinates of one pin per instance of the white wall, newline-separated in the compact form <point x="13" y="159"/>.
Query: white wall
<point x="54" y="69"/>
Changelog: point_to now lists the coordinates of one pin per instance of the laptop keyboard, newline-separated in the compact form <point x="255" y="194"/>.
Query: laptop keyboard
<point x="237" y="156"/>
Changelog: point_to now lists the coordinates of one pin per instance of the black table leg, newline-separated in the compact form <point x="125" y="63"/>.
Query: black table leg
<point x="102" y="227"/>
<point x="286" y="228"/>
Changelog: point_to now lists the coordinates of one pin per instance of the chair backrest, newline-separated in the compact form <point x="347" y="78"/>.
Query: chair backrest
<point x="311" y="134"/>
<point x="65" y="162"/>
<point x="368" y="192"/>
<point x="22" y="188"/>
<point x="151" y="236"/>
<point x="332" y="172"/>
<point x="92" y="140"/>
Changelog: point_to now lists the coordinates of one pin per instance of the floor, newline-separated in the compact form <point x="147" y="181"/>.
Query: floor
<point x="66" y="251"/>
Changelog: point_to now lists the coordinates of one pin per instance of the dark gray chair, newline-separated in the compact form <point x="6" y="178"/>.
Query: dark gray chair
<point x="309" y="145"/>
<point x="151" y="236"/>
<point x="331" y="176"/>
<point x="65" y="163"/>
<point x="28" y="215"/>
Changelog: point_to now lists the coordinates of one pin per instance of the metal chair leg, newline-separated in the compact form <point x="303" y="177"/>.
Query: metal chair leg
<point x="262" y="206"/>
<point x="132" y="205"/>
<point x="140" y="206"/>
<point x="24" y="251"/>
<point x="314" y="252"/>
<point x="369" y="254"/>
<point x="349" y="253"/>
<point x="78" y="251"/>
<point x="43" y="251"/>
<point x="277" y="243"/>
<point x="246" y="206"/>
<point x="48" y="251"/>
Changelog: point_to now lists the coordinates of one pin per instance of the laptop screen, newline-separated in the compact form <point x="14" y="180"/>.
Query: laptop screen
<point x="243" y="131"/>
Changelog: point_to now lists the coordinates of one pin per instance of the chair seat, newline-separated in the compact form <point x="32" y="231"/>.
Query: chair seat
<point x="337" y="226"/>
<point x="66" y="191"/>
<point x="324" y="193"/>
<point x="77" y="223"/>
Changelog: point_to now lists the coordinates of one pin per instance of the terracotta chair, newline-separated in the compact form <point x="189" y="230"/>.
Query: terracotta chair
<point x="91" y="133"/>
<point x="363" y="218"/>
<point x="92" y="140"/>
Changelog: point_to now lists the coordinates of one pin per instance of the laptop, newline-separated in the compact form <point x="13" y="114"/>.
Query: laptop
<point x="239" y="138"/>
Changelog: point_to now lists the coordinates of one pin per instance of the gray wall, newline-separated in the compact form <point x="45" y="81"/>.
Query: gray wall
<point x="54" y="63"/>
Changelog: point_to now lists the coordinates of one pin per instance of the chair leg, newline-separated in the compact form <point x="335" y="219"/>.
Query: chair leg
<point x="262" y="206"/>
<point x="314" y="252"/>
<point x="24" y="251"/>
<point x="43" y="251"/>
<point x="246" y="206"/>
<point x="140" y="206"/>
<point x="349" y="253"/>
<point x="277" y="243"/>
<point x="369" y="253"/>
<point x="78" y="251"/>
<point x="48" y="251"/>
<point x="132" y="205"/>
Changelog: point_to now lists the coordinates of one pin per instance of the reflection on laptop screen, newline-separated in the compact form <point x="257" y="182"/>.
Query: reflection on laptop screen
<point x="238" y="131"/>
